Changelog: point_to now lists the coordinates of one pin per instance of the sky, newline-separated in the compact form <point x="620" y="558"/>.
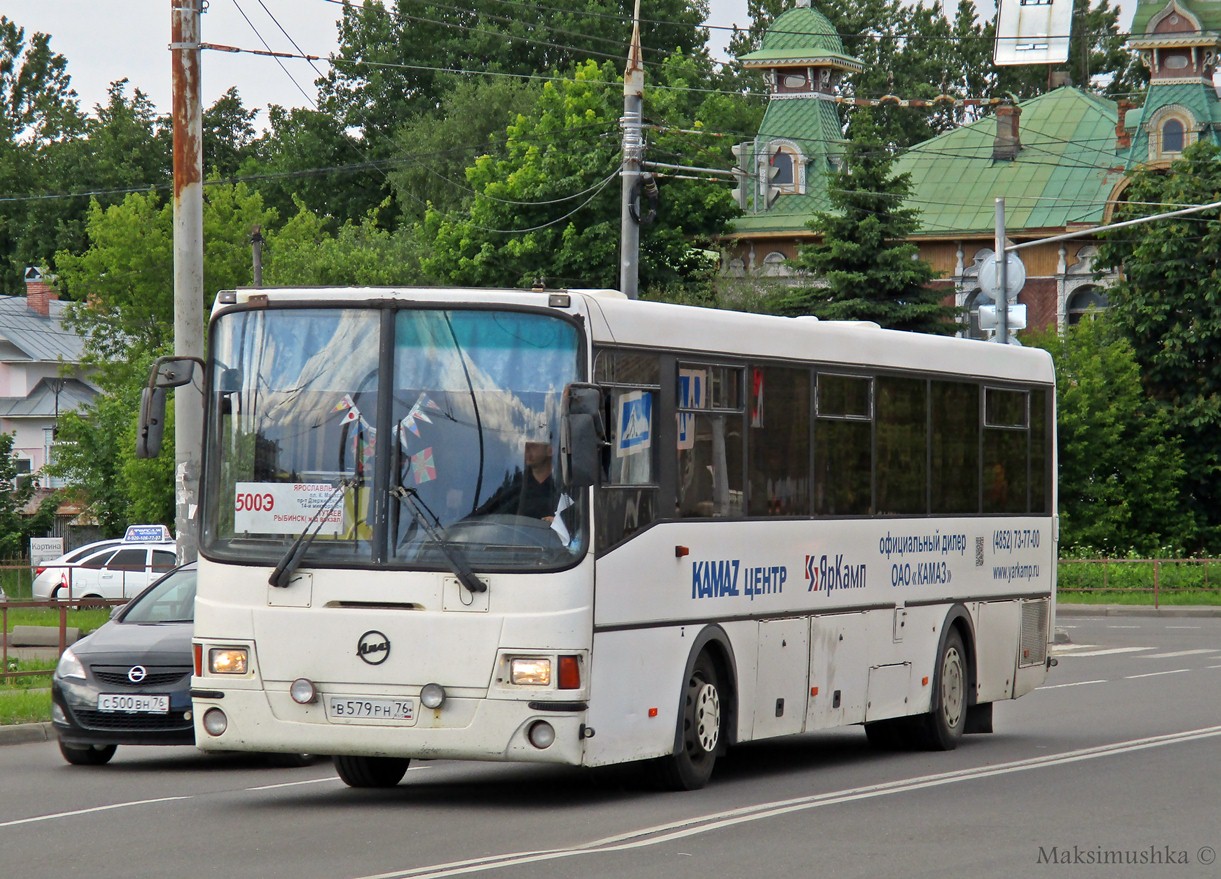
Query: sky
<point x="107" y="40"/>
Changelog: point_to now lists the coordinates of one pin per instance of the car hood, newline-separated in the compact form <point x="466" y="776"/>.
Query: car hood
<point x="168" y="643"/>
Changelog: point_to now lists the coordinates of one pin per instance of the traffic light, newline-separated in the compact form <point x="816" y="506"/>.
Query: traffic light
<point x="744" y="153"/>
<point x="768" y="170"/>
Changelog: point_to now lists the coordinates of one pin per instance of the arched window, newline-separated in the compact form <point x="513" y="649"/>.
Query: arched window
<point x="782" y="161"/>
<point x="775" y="265"/>
<point x="1084" y="303"/>
<point x="1172" y="136"/>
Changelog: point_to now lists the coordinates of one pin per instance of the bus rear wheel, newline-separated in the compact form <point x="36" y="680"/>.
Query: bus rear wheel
<point x="943" y="726"/>
<point x="699" y="734"/>
<point x="370" y="771"/>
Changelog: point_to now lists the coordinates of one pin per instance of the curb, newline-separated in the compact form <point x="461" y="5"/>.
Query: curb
<point x="23" y="733"/>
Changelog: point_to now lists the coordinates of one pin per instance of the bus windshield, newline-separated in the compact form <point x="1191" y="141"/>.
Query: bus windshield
<point x="400" y="438"/>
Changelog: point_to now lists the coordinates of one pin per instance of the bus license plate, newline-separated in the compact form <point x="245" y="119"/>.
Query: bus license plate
<point x="353" y="708"/>
<point x="134" y="703"/>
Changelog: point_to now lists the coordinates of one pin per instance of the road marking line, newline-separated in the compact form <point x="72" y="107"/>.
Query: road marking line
<point x="1068" y="648"/>
<point x="1195" y="652"/>
<point x="1184" y="627"/>
<point x="1123" y="627"/>
<point x="1108" y="651"/>
<point x="295" y="783"/>
<point x="662" y="833"/>
<point x="89" y="811"/>
<point x="1074" y="684"/>
<point x="1154" y="674"/>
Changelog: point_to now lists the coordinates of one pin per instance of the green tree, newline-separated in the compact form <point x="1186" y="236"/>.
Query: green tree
<point x="548" y="206"/>
<point x="228" y="134"/>
<point x="38" y="108"/>
<point x="307" y="156"/>
<point x="1168" y="304"/>
<point x="865" y="267"/>
<point x="396" y="60"/>
<point x="1121" y="469"/>
<point x="432" y="151"/>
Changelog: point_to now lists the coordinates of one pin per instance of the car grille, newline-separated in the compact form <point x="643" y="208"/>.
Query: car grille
<point x="158" y="675"/>
<point x="90" y="719"/>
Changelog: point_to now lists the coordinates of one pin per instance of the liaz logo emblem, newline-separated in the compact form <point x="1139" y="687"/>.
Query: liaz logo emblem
<point x="373" y="647"/>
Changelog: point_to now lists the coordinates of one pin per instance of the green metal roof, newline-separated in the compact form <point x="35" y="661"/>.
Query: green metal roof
<point x="1208" y="11"/>
<point x="1062" y="176"/>
<point x="801" y="36"/>
<point x="1197" y="98"/>
<point x="814" y="127"/>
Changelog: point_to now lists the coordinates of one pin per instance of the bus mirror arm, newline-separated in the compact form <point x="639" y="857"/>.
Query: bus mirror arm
<point x="410" y="498"/>
<point x="167" y="372"/>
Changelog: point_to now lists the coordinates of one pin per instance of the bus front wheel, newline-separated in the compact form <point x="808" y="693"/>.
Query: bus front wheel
<point x="699" y="733"/>
<point x="370" y="771"/>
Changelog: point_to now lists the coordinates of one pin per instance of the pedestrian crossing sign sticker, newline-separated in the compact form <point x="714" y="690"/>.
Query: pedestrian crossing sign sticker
<point x="635" y="431"/>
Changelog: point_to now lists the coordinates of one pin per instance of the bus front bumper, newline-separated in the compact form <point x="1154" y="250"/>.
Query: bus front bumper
<point x="461" y="729"/>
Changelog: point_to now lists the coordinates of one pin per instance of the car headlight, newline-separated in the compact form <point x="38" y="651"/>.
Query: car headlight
<point x="69" y="666"/>
<point x="227" y="660"/>
<point x="526" y="671"/>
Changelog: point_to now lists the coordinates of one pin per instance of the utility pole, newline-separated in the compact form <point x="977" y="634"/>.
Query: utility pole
<point x="633" y="155"/>
<point x="188" y="265"/>
<point x="1002" y="258"/>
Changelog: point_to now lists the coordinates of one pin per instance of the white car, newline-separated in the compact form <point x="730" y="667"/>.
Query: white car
<point x="108" y="569"/>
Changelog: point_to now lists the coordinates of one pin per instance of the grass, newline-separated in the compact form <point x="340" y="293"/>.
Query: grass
<point x="1132" y="582"/>
<point x="27" y="699"/>
<point x="87" y="620"/>
<point x="24" y="706"/>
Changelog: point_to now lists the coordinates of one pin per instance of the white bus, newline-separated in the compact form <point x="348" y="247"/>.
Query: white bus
<point x="567" y="527"/>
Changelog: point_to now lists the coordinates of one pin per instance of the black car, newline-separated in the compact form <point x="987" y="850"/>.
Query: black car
<point x="129" y="683"/>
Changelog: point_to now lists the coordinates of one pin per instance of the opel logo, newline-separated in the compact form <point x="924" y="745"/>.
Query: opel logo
<point x="373" y="647"/>
<point x="137" y="674"/>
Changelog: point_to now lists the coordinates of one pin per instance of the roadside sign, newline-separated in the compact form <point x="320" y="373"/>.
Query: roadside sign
<point x="147" y="534"/>
<point x="45" y="549"/>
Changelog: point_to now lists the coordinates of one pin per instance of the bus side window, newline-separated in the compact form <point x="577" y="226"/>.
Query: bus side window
<point x="843" y="445"/>
<point x="778" y="445"/>
<point x="710" y="453"/>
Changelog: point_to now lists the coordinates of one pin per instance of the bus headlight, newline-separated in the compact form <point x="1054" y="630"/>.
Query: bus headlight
<point x="530" y="672"/>
<point x="227" y="660"/>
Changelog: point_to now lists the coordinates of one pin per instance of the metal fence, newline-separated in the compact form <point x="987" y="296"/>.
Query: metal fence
<point x="1163" y="581"/>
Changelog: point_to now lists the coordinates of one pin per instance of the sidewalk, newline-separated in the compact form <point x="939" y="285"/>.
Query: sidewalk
<point x="1136" y="610"/>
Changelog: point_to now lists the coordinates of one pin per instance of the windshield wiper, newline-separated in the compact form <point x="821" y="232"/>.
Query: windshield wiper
<point x="283" y="573"/>
<point x="410" y="498"/>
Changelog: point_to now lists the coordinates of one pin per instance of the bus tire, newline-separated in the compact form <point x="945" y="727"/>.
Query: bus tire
<point x="370" y="771"/>
<point x="87" y="755"/>
<point x="700" y="727"/>
<point x="945" y="723"/>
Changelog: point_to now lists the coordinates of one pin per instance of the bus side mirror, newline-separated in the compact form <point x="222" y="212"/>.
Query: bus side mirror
<point x="582" y="436"/>
<point x="151" y="429"/>
<point x="167" y="372"/>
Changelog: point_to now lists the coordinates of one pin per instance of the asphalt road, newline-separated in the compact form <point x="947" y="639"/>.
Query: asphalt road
<point x="1110" y="770"/>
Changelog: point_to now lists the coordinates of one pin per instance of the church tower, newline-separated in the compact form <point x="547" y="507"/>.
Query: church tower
<point x="1178" y="42"/>
<point x="800" y="140"/>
